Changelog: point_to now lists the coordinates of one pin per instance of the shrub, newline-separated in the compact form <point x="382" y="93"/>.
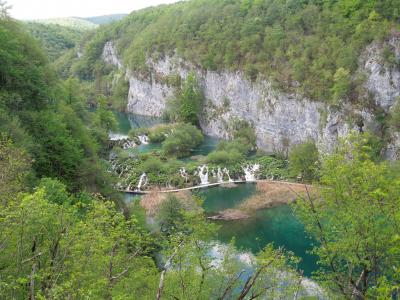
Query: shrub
<point x="221" y="157"/>
<point x="303" y="161"/>
<point x="159" y="133"/>
<point x="182" y="140"/>
<point x="152" y="165"/>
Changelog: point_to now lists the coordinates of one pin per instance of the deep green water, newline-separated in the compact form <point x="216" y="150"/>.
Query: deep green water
<point x="275" y="225"/>
<point x="129" y="121"/>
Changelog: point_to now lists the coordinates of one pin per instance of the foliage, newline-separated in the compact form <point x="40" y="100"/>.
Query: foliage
<point x="15" y="167"/>
<point x="307" y="46"/>
<point x="56" y="39"/>
<point x="303" y="161"/>
<point x="187" y="104"/>
<point x="159" y="133"/>
<point x="47" y="118"/>
<point x="394" y="119"/>
<point x="51" y="238"/>
<point x="182" y="140"/>
<point x="170" y="215"/>
<point x="70" y="22"/>
<point x="222" y="157"/>
<point x="355" y="221"/>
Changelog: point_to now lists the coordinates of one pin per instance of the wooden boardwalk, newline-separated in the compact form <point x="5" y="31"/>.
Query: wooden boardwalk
<point x="201" y="186"/>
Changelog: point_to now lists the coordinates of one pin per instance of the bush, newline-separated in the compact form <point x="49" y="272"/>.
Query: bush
<point x="303" y="161"/>
<point x="152" y="165"/>
<point x="394" y="119"/>
<point x="221" y="157"/>
<point x="187" y="105"/>
<point x="134" y="132"/>
<point x="239" y="145"/>
<point x="182" y="140"/>
<point x="159" y="133"/>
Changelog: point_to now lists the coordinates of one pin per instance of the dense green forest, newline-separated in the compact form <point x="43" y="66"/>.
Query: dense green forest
<point x="65" y="232"/>
<point x="105" y="19"/>
<point x="55" y="39"/>
<point x="309" y="46"/>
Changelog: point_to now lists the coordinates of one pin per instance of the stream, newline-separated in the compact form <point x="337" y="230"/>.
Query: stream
<point x="275" y="225"/>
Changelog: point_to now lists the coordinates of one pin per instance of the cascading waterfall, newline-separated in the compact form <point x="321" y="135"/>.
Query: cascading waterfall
<point x="226" y="171"/>
<point x="220" y="175"/>
<point x="117" y="136"/>
<point x="250" y="171"/>
<point x="142" y="182"/>
<point x="144" y="139"/>
<point x="121" y="140"/>
<point x="203" y="174"/>
<point x="184" y="174"/>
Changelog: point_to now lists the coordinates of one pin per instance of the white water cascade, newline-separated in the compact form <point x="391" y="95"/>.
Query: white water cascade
<point x="117" y="136"/>
<point x="142" y="182"/>
<point x="226" y="171"/>
<point x="203" y="174"/>
<point x="144" y="139"/>
<point x="220" y="175"/>
<point x="250" y="172"/>
<point x="184" y="174"/>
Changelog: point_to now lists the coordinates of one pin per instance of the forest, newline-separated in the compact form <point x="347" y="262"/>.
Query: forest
<point x="66" y="231"/>
<point x="309" y="46"/>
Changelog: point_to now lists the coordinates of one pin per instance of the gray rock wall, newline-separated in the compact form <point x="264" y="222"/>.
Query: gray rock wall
<point x="280" y="119"/>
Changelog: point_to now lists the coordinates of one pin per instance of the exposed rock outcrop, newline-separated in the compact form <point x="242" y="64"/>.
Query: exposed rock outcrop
<point x="280" y="119"/>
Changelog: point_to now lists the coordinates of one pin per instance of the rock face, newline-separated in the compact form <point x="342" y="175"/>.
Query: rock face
<point x="110" y="55"/>
<point x="383" y="82"/>
<point x="280" y="119"/>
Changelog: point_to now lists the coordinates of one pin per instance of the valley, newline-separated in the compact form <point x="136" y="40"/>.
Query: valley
<point x="201" y="149"/>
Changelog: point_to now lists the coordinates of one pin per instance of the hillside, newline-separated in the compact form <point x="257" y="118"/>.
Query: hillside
<point x="208" y="149"/>
<point x="308" y="46"/>
<point x="106" y="19"/>
<point x="72" y="22"/>
<point x="56" y="39"/>
<point x="308" y="69"/>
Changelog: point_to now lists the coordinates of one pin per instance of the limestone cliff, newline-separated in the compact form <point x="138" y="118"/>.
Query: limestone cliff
<point x="280" y="119"/>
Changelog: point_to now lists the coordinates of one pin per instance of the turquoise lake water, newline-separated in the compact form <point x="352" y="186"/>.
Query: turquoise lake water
<point x="276" y="225"/>
<point x="129" y="121"/>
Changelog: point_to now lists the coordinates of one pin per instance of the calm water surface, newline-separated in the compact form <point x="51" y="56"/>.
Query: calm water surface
<point x="275" y="225"/>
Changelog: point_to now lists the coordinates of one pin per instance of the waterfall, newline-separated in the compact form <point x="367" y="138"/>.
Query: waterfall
<point x="142" y="182"/>
<point x="184" y="174"/>
<point x="128" y="144"/>
<point x="203" y="175"/>
<point x="220" y="175"/>
<point x="250" y="172"/>
<point x="226" y="171"/>
<point x="117" y="136"/>
<point x="143" y="139"/>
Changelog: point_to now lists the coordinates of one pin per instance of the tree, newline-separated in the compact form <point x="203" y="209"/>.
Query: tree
<point x="342" y="84"/>
<point x="15" y="167"/>
<point x="182" y="140"/>
<point x="303" y="161"/>
<point x="51" y="251"/>
<point x="187" y="104"/>
<point x="355" y="221"/>
<point x="4" y="8"/>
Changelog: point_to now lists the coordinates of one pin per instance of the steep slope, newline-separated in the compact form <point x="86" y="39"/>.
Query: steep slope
<point x="55" y="39"/>
<point x="106" y="19"/>
<point x="47" y="118"/>
<point x="71" y="22"/>
<point x="294" y="69"/>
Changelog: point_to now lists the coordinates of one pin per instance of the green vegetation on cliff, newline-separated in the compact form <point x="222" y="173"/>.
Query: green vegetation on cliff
<point x="56" y="39"/>
<point x="312" y="47"/>
<point x="47" y="118"/>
